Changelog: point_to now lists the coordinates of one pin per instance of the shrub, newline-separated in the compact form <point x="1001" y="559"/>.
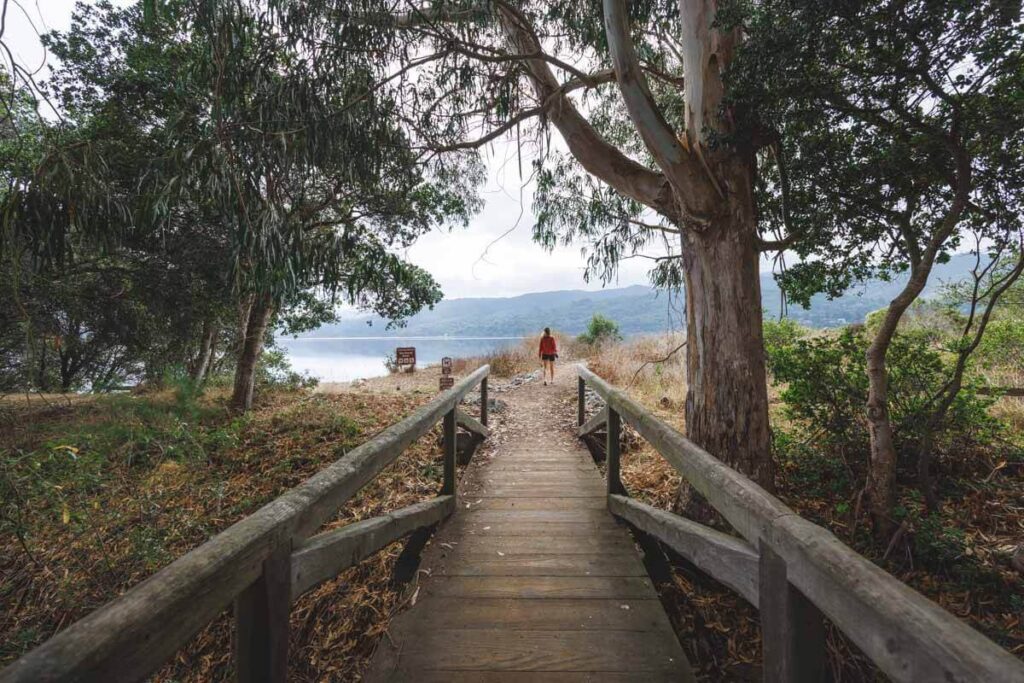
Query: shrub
<point x="782" y="333"/>
<point x="600" y="330"/>
<point x="827" y="389"/>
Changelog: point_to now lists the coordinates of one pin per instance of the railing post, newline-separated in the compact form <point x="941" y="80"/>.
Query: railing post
<point x="613" y="449"/>
<point x="581" y="402"/>
<point x="448" y="488"/>
<point x="792" y="630"/>
<point x="261" y="622"/>
<point x="483" y="401"/>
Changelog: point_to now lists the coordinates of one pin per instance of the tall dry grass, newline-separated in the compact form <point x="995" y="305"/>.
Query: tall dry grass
<point x="520" y="358"/>
<point x="652" y="369"/>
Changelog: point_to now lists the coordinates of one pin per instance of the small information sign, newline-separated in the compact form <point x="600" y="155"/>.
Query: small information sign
<point x="446" y="366"/>
<point x="405" y="355"/>
<point x="447" y="382"/>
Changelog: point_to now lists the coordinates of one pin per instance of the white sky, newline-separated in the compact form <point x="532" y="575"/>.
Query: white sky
<point x="513" y="264"/>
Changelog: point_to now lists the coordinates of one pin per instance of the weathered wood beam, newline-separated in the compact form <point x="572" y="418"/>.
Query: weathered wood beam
<point x="745" y="505"/>
<point x="792" y="629"/>
<point x="471" y="424"/>
<point x="600" y="419"/>
<point x="907" y="635"/>
<point x="324" y="556"/>
<point x="262" y="623"/>
<point x="728" y="560"/>
<point x="133" y="635"/>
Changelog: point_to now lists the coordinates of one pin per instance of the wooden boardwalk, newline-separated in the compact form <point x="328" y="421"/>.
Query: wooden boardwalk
<point x="532" y="579"/>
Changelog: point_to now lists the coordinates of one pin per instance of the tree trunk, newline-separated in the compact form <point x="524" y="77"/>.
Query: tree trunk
<point x="881" y="484"/>
<point x="727" y="393"/>
<point x="205" y="352"/>
<point x="249" y="353"/>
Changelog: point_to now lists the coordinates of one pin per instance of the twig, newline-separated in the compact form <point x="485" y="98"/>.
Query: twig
<point x="896" y="538"/>
<point x="653" y="362"/>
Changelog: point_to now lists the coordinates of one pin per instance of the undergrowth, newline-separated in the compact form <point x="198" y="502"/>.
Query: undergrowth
<point x="101" y="494"/>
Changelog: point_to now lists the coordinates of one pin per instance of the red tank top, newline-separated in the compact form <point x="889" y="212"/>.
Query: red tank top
<point x="548" y="346"/>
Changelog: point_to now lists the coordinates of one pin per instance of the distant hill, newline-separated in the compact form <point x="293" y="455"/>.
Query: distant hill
<point x="636" y="309"/>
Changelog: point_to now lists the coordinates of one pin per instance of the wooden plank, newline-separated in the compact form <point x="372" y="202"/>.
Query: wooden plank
<point x="483" y="401"/>
<point x="525" y="545"/>
<point x="909" y="637"/>
<point x="532" y="515"/>
<point x="501" y="650"/>
<point x="541" y="587"/>
<point x="529" y="504"/>
<point x="593" y="424"/>
<point x="133" y="635"/>
<point x="792" y="630"/>
<point x="550" y="529"/>
<point x="470" y="423"/>
<point x="448" y="676"/>
<point x="324" y="556"/>
<point x="261" y="622"/>
<point x="581" y="401"/>
<point x="527" y="491"/>
<point x="539" y="564"/>
<point x="624" y="614"/>
<point x="498" y="471"/>
<point x="449" y="444"/>
<point x="613" y="449"/>
<point x="724" y="558"/>
<point x="563" y="477"/>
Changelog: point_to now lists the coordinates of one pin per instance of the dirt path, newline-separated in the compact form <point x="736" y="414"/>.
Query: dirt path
<point x="532" y="579"/>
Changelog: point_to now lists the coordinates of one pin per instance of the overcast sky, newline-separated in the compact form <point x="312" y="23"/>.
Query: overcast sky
<point x="512" y="265"/>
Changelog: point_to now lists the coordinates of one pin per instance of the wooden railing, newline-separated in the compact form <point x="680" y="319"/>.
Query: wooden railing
<point x="262" y="564"/>
<point x="793" y="571"/>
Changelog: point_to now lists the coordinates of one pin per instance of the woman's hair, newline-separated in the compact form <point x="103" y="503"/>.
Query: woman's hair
<point x="547" y="331"/>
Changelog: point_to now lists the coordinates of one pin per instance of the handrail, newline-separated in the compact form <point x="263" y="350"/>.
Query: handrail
<point x="805" y="569"/>
<point x="249" y="563"/>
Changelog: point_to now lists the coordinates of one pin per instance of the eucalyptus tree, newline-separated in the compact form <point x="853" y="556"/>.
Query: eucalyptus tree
<point x="226" y="149"/>
<point x="648" y="159"/>
<point x="896" y="128"/>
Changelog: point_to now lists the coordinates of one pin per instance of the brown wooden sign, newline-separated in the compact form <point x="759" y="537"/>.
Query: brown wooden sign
<point x="447" y="382"/>
<point x="446" y="366"/>
<point x="405" y="355"/>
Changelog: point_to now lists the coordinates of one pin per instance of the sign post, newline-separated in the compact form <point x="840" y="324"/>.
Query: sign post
<point x="406" y="356"/>
<point x="447" y="381"/>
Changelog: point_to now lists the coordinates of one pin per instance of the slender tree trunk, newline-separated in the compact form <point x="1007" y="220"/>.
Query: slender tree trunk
<point x="881" y="483"/>
<point x="727" y="395"/>
<point x="252" y="333"/>
<point x="205" y="352"/>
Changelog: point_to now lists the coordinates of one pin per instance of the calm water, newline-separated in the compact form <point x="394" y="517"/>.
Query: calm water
<point x="336" y="359"/>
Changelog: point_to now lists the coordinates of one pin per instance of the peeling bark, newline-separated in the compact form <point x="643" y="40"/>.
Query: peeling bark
<point x="727" y="400"/>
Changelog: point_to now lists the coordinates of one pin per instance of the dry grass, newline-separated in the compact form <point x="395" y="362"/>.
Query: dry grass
<point x="651" y="368"/>
<point x="138" y="516"/>
<point x="520" y="358"/>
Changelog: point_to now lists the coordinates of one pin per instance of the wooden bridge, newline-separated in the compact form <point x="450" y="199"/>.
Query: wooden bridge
<point x="534" y="578"/>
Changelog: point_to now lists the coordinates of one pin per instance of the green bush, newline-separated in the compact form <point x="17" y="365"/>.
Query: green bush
<point x="600" y="330"/>
<point x="827" y="389"/>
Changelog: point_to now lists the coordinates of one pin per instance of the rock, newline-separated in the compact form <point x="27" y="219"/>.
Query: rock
<point x="494" y="405"/>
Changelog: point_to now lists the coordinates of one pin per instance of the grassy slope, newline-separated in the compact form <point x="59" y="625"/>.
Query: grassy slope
<point x="99" y="495"/>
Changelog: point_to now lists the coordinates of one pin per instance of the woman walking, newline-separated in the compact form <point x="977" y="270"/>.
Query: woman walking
<point x="548" y="354"/>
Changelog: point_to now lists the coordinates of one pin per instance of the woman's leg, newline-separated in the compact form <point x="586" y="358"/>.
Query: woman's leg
<point x="552" y="364"/>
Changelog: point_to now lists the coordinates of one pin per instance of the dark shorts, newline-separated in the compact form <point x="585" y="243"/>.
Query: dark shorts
<point x="549" y="356"/>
